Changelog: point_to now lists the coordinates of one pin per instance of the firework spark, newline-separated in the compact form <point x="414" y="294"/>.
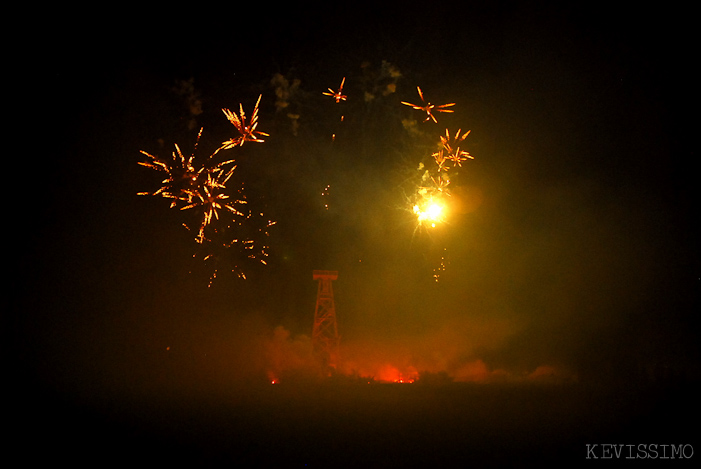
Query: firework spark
<point x="429" y="108"/>
<point x="338" y="96"/>
<point x="248" y="132"/>
<point x="227" y="246"/>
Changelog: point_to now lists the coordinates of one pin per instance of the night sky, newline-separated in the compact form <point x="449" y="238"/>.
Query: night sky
<point x="571" y="244"/>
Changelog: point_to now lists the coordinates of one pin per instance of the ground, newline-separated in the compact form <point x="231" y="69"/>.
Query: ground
<point x="363" y="425"/>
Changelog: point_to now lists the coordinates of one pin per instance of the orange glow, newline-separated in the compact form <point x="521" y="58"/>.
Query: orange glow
<point x="436" y="359"/>
<point x="391" y="374"/>
<point x="429" y="210"/>
<point x="273" y="378"/>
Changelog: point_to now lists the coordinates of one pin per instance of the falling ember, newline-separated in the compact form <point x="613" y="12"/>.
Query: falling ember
<point x="225" y="246"/>
<point x="325" y="194"/>
<point x="441" y="267"/>
<point x="429" y="108"/>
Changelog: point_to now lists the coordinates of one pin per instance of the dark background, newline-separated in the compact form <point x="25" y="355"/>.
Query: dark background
<point x="575" y="246"/>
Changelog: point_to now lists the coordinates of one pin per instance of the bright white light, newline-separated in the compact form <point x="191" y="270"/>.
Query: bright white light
<point x="432" y="213"/>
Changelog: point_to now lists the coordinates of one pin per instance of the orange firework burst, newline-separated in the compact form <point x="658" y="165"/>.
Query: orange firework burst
<point x="337" y="95"/>
<point x="429" y="108"/>
<point x="457" y="155"/>
<point x="211" y="199"/>
<point x="248" y="132"/>
<point x="428" y="202"/>
<point x="200" y="187"/>
<point x="441" y="160"/>
<point x="184" y="178"/>
<point x="178" y="175"/>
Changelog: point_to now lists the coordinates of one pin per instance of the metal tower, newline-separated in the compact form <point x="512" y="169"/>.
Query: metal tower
<point x="325" y="333"/>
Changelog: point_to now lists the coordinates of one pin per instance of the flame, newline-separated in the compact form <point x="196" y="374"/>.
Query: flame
<point x="272" y="377"/>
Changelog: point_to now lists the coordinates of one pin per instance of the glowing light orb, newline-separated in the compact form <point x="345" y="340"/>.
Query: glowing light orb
<point x="429" y="211"/>
<point x="434" y="211"/>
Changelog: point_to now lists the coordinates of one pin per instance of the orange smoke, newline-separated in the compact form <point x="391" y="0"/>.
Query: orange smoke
<point x="389" y="373"/>
<point x="437" y="357"/>
<point x="287" y="355"/>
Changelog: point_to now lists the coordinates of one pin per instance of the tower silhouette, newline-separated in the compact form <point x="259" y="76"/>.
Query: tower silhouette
<point x="325" y="338"/>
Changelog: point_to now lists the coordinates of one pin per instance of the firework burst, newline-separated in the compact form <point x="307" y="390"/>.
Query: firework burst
<point x="430" y="201"/>
<point x="248" y="132"/>
<point x="211" y="199"/>
<point x="429" y="108"/>
<point x="338" y="96"/>
<point x="448" y="153"/>
<point x="181" y="174"/>
<point x="430" y="196"/>
<point x="202" y="187"/>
